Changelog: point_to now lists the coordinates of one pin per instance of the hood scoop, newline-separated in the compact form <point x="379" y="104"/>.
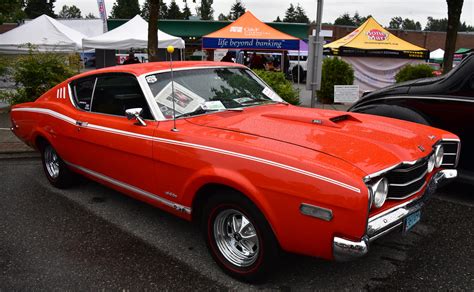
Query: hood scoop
<point x="334" y="121"/>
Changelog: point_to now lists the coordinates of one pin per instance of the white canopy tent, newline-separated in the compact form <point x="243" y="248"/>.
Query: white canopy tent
<point x="45" y="33"/>
<point x="437" y="55"/>
<point x="132" y="34"/>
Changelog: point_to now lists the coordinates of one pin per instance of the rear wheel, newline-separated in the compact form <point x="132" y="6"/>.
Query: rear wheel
<point x="54" y="167"/>
<point x="239" y="237"/>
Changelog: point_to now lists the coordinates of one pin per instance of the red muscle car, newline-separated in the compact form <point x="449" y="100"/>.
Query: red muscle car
<point x="214" y="144"/>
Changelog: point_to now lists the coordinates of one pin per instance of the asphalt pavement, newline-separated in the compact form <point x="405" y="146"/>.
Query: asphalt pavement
<point x="90" y="237"/>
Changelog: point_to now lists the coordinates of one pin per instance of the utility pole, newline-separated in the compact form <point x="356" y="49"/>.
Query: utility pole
<point x="313" y="80"/>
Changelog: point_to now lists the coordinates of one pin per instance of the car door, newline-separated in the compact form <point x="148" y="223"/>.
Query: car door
<point x="112" y="147"/>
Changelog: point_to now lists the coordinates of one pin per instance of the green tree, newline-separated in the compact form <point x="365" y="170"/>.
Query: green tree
<point x="290" y="14"/>
<point x="91" y="16"/>
<point x="454" y="16"/>
<point x="464" y="27"/>
<point x="35" y="8"/>
<point x="222" y="17"/>
<point x="11" y="11"/>
<point x="409" y="24"/>
<point x="70" y="12"/>
<point x="344" y="19"/>
<point x="125" y="9"/>
<point x="436" y="24"/>
<point x="237" y="10"/>
<point x="205" y="11"/>
<point x="300" y="15"/>
<point x="174" y="12"/>
<point x="395" y="22"/>
<point x="411" y="72"/>
<point x="186" y="11"/>
<point x="277" y="19"/>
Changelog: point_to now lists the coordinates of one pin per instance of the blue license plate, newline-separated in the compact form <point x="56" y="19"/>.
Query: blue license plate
<point x="412" y="219"/>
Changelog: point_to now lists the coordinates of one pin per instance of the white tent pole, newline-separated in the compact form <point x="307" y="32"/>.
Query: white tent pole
<point x="299" y="65"/>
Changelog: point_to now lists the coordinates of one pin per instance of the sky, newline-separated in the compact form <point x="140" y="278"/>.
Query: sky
<point x="268" y="10"/>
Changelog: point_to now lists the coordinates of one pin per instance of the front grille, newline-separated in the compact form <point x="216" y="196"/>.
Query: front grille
<point x="451" y="150"/>
<point x="406" y="180"/>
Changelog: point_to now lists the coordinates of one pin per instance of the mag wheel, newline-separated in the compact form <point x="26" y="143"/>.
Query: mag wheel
<point x="239" y="238"/>
<point x="55" y="169"/>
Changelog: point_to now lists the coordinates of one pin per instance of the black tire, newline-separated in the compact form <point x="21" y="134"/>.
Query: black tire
<point x="57" y="172"/>
<point x="394" y="111"/>
<point x="294" y="73"/>
<point x="266" y="250"/>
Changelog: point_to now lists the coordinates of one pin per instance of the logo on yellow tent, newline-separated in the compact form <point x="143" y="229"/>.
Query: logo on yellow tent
<point x="377" y="35"/>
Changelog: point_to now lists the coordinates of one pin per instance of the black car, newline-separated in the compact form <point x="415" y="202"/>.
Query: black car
<point x="445" y="102"/>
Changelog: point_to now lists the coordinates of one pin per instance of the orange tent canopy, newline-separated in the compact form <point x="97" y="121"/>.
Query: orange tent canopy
<point x="248" y="32"/>
<point x="371" y="39"/>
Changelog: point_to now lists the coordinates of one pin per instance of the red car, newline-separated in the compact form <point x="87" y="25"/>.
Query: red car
<point x="257" y="174"/>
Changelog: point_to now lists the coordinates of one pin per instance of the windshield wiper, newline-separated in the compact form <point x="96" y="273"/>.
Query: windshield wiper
<point x="258" y="100"/>
<point x="198" y="111"/>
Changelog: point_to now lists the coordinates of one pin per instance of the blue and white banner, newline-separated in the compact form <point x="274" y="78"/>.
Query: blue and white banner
<point x="103" y="13"/>
<point x="249" y="44"/>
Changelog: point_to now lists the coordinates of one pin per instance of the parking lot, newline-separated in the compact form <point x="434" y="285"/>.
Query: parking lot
<point x="90" y="237"/>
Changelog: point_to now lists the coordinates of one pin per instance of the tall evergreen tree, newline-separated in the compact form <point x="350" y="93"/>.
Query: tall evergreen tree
<point x="70" y="12"/>
<point x="174" y="12"/>
<point x="153" y="7"/>
<point x="277" y="19"/>
<point x="344" y="19"/>
<point x="163" y="10"/>
<point x="236" y="10"/>
<point x="205" y="11"/>
<point x="290" y="14"/>
<point x="125" y="9"/>
<point x="186" y="11"/>
<point x="35" y="8"/>
<point x="300" y="15"/>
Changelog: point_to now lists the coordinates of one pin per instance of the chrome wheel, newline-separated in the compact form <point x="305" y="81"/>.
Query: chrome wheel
<point x="236" y="238"/>
<point x="51" y="161"/>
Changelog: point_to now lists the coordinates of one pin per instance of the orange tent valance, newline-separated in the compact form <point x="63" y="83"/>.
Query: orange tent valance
<point x="249" y="33"/>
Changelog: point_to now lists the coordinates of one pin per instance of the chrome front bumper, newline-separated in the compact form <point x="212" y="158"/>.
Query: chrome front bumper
<point x="389" y="220"/>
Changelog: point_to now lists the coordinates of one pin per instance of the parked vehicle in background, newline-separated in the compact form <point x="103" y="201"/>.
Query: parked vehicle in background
<point x="217" y="146"/>
<point x="445" y="102"/>
<point x="301" y="65"/>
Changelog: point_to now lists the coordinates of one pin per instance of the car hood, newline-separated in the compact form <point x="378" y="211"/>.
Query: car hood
<point x="370" y="143"/>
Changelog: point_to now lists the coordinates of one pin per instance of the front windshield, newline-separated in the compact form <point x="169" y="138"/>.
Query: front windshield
<point x="210" y="89"/>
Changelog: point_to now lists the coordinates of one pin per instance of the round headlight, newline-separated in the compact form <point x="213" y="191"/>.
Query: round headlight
<point x="379" y="192"/>
<point x="431" y="163"/>
<point x="439" y="153"/>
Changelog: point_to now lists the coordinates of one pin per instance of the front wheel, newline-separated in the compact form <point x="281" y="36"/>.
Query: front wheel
<point x="239" y="238"/>
<point x="57" y="172"/>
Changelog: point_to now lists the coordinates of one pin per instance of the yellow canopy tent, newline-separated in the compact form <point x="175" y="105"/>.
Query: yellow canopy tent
<point x="372" y="40"/>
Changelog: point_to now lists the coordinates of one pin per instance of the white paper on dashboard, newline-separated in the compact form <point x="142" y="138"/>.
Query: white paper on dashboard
<point x="185" y="100"/>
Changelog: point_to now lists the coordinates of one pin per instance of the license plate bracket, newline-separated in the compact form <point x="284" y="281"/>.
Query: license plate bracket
<point x="411" y="220"/>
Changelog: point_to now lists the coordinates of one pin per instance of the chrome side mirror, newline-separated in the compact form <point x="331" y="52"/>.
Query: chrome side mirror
<point x="135" y="113"/>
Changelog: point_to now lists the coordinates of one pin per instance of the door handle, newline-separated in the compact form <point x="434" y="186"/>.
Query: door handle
<point x="81" y="124"/>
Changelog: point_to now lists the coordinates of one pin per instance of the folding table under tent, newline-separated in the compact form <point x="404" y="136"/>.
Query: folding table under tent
<point x="45" y="34"/>
<point x="376" y="55"/>
<point x="249" y="33"/>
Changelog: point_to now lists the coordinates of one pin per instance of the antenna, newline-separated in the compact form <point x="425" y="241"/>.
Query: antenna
<point x="170" y="50"/>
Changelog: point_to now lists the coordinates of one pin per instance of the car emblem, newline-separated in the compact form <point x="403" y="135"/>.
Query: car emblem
<point x="421" y="148"/>
<point x="432" y="137"/>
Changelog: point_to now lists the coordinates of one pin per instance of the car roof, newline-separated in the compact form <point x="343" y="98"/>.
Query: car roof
<point x="143" y="68"/>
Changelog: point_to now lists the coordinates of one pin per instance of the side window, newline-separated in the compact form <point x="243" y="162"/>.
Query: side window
<point x="82" y="91"/>
<point x="114" y="94"/>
